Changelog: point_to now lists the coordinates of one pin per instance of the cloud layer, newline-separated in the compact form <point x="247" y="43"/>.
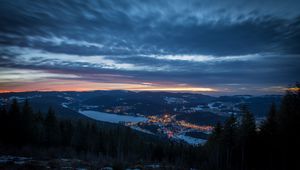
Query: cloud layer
<point x="234" y="46"/>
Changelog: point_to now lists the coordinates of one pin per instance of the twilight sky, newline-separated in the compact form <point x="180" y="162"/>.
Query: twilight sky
<point x="207" y="46"/>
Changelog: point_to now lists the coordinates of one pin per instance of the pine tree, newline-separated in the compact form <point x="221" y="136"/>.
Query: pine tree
<point x="247" y="135"/>
<point x="27" y="123"/>
<point x="269" y="126"/>
<point x="78" y="140"/>
<point x="228" y="141"/>
<point x="52" y="132"/>
<point x="247" y="127"/>
<point x="269" y="139"/>
<point x="288" y="119"/>
<point x="214" y="146"/>
<point x="66" y="128"/>
<point x="39" y="136"/>
<point x="3" y="125"/>
<point x="217" y="131"/>
<point x="14" y="123"/>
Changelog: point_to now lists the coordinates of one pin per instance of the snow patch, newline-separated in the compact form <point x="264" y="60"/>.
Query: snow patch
<point x="171" y="100"/>
<point x="112" y="118"/>
<point x="191" y="140"/>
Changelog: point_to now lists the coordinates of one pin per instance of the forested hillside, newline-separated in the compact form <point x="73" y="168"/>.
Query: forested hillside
<point x="26" y="133"/>
<point x="241" y="144"/>
<point x="237" y="144"/>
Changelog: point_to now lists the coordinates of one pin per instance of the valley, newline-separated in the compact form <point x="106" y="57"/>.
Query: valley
<point x="183" y="117"/>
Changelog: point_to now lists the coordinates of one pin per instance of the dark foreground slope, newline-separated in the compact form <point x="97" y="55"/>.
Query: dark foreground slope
<point x="30" y="134"/>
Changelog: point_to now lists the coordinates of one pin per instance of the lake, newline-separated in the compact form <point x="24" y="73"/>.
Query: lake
<point x="112" y="118"/>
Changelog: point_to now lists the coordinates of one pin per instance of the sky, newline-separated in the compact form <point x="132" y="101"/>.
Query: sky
<point x="206" y="46"/>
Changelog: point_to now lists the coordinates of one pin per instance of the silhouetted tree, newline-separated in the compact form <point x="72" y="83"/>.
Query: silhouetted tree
<point x="3" y="125"/>
<point x="27" y="131"/>
<point x="288" y="120"/>
<point x="228" y="141"/>
<point x="269" y="140"/>
<point x="14" y="124"/>
<point x="67" y="130"/>
<point x="213" y="146"/>
<point x="39" y="129"/>
<point x="52" y="132"/>
<point x="247" y="137"/>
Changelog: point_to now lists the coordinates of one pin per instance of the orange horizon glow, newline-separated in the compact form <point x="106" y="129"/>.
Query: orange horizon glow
<point x="294" y="89"/>
<point x="77" y="85"/>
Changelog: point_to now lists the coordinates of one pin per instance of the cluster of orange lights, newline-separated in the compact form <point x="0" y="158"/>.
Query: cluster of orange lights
<point x="193" y="126"/>
<point x="164" y="119"/>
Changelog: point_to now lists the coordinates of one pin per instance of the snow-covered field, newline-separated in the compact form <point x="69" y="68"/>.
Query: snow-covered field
<point x="112" y="118"/>
<point x="171" y="100"/>
<point x="190" y="140"/>
<point x="14" y="159"/>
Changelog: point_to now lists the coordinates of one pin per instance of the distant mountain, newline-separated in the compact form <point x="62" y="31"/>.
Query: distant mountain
<point x="67" y="104"/>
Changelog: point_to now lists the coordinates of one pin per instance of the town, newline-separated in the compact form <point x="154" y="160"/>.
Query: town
<point x="167" y="125"/>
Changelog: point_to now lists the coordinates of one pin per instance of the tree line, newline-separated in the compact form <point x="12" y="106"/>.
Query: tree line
<point x="242" y="145"/>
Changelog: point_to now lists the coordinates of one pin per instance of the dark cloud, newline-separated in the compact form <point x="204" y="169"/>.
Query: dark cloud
<point x="150" y="27"/>
<point x="155" y="40"/>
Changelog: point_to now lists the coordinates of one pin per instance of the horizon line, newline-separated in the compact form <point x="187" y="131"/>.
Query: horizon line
<point x="137" y="91"/>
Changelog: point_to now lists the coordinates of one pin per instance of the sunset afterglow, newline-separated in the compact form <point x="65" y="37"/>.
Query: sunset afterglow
<point x="148" y="47"/>
<point x="73" y="85"/>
